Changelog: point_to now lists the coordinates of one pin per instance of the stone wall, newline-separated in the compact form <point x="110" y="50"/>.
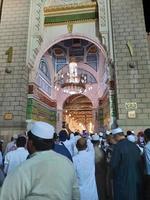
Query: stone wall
<point x="13" y="70"/>
<point x="133" y="82"/>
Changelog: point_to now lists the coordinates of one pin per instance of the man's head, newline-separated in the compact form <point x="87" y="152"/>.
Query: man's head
<point x="21" y="141"/>
<point x="81" y="144"/>
<point x="118" y="134"/>
<point x="40" y="137"/>
<point x="76" y="133"/>
<point x="63" y="135"/>
<point x="129" y="132"/>
<point x="95" y="139"/>
<point x="110" y="139"/>
<point x="147" y="135"/>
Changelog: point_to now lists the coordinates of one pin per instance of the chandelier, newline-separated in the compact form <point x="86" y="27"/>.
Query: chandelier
<point x="71" y="82"/>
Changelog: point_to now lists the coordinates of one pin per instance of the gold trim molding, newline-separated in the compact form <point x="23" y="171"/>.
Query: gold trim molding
<point x="53" y="10"/>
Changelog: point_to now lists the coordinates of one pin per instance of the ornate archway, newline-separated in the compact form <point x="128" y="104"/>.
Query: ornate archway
<point x="92" y="31"/>
<point x="92" y="62"/>
<point x="77" y="113"/>
<point x="49" y="42"/>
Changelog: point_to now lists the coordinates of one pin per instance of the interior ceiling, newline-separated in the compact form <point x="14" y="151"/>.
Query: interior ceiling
<point x="78" y="107"/>
<point x="79" y="49"/>
<point x="78" y="102"/>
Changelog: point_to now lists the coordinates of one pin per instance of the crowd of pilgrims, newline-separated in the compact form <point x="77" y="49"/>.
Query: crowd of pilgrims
<point x="42" y="165"/>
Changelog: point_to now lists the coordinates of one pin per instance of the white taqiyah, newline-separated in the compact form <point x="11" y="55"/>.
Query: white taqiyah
<point x="42" y="130"/>
<point x="108" y="132"/>
<point x="116" y="131"/>
<point x="131" y="138"/>
<point x="95" y="137"/>
<point x="15" y="136"/>
<point x="101" y="134"/>
<point x="132" y="132"/>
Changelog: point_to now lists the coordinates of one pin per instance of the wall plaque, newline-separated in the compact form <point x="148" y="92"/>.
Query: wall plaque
<point x="8" y="116"/>
<point x="132" y="114"/>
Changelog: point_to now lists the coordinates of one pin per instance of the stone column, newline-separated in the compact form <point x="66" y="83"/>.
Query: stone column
<point x="112" y="96"/>
<point x="95" y="119"/>
<point x="132" y="63"/>
<point x="13" y="68"/>
<point x="59" y="120"/>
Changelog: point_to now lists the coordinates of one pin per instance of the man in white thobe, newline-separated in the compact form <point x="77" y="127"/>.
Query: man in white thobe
<point x="46" y="175"/>
<point x="16" y="157"/>
<point x="11" y="146"/>
<point x="84" y="163"/>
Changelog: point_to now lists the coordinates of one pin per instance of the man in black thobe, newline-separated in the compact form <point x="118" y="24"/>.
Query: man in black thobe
<point x="126" y="168"/>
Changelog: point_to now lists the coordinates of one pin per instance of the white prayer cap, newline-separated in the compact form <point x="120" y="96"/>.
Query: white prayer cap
<point x="131" y="138"/>
<point x="95" y="137"/>
<point x="15" y="136"/>
<point x="116" y="131"/>
<point x="108" y="132"/>
<point x="132" y="132"/>
<point x="42" y="130"/>
<point x="101" y="134"/>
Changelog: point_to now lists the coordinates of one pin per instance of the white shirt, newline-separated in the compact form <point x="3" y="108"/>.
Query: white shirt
<point x="47" y="175"/>
<point x="69" y="144"/>
<point x="10" y="147"/>
<point x="84" y="163"/>
<point x="14" y="158"/>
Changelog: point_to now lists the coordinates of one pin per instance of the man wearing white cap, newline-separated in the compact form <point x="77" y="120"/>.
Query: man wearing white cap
<point x="84" y="163"/>
<point x="46" y="175"/>
<point x="126" y="168"/>
<point x="16" y="157"/>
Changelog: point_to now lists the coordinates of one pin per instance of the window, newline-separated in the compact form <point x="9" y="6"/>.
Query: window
<point x="43" y="79"/>
<point x="60" y="62"/>
<point x="44" y="68"/>
<point x="92" y="57"/>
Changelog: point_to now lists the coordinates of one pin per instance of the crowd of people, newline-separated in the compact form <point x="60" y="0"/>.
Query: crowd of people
<point x="44" y="165"/>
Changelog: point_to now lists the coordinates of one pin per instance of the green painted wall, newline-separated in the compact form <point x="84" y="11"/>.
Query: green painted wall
<point x="66" y="18"/>
<point x="37" y="112"/>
